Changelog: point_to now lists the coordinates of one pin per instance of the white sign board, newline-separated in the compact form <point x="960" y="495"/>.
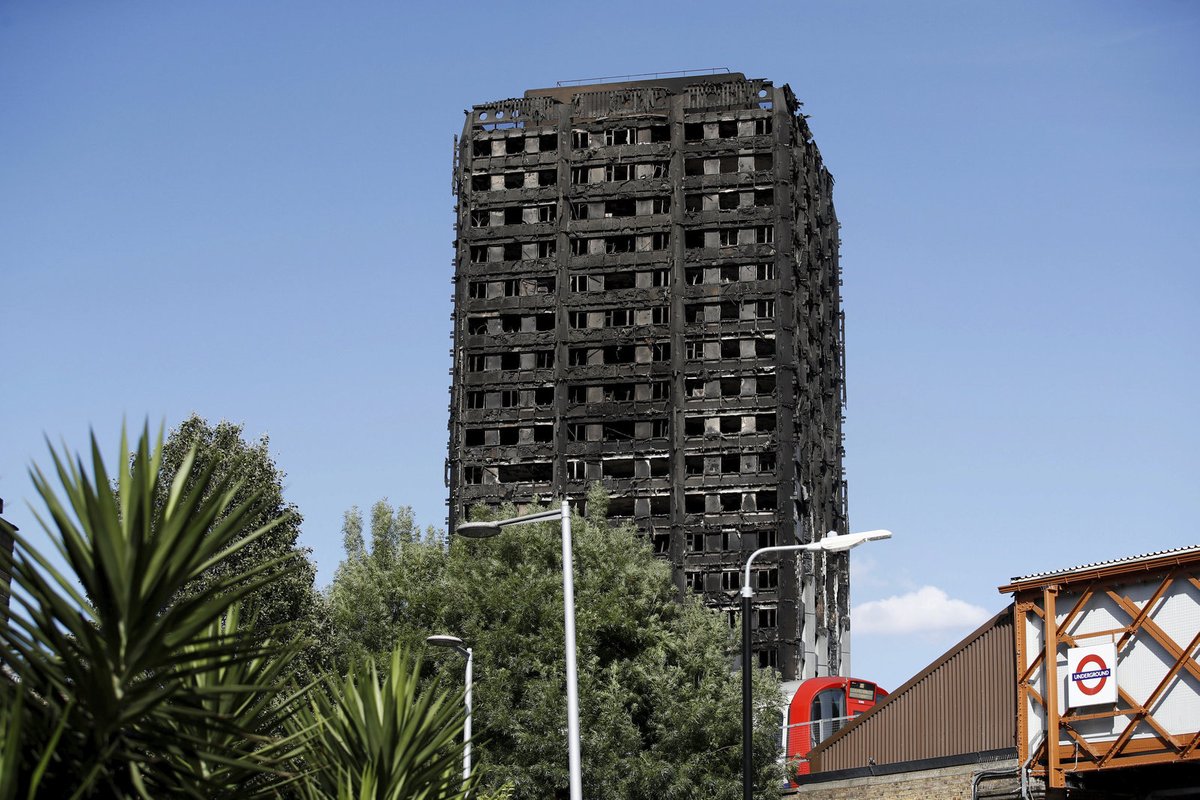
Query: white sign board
<point x="1092" y="675"/>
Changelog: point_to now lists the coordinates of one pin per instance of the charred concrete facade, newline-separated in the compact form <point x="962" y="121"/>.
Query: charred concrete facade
<point x="647" y="295"/>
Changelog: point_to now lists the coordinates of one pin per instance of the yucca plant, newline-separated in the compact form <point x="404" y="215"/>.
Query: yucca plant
<point x="241" y="712"/>
<point x="130" y="688"/>
<point x="389" y="739"/>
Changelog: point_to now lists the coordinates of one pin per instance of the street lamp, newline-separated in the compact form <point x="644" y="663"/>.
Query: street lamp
<point x="482" y="530"/>
<point x="832" y="543"/>
<point x="457" y="644"/>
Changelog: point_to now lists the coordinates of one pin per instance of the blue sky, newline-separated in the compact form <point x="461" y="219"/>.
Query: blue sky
<point x="244" y="210"/>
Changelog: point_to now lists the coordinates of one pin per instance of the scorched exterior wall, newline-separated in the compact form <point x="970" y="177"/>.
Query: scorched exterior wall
<point x="647" y="295"/>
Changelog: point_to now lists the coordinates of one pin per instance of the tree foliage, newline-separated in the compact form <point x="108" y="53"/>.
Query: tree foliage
<point x="290" y="603"/>
<point x="659" y="704"/>
<point x="110" y="684"/>
<point x="137" y="687"/>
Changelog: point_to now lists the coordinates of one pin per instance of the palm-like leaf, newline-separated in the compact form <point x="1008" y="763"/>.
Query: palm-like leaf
<point x="125" y="668"/>
<point x="384" y="740"/>
<point x="240" y="709"/>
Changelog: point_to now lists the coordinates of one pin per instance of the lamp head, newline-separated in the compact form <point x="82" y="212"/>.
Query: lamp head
<point x="835" y="544"/>
<point x="478" y="530"/>
<point x="444" y="641"/>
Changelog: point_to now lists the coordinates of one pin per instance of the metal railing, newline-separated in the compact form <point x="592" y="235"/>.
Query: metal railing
<point x="803" y="736"/>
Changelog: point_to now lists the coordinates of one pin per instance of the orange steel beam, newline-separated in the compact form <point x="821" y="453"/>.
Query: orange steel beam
<point x="1124" y="761"/>
<point x="1083" y="598"/>
<point x="1142" y="615"/>
<point x="1098" y="634"/>
<point x="1020" y="610"/>
<point x="1054" y="773"/>
<point x="1158" y="690"/>
<point x="1141" y="750"/>
<point x="1191" y="746"/>
<point x="1158" y="634"/>
<point x="1076" y="609"/>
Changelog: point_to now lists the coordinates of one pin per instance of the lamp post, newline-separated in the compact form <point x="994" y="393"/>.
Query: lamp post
<point x="481" y="530"/>
<point x="832" y="543"/>
<point x="457" y="644"/>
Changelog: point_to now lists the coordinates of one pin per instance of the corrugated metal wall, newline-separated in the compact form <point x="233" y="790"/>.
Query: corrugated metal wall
<point x="965" y="702"/>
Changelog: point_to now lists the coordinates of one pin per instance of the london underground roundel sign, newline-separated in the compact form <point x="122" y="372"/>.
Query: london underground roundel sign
<point x="1092" y="675"/>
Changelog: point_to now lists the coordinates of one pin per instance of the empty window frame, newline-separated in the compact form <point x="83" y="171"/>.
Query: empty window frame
<point x="617" y="317"/>
<point x="767" y="578"/>
<point x="619" y="244"/>
<point x="618" y="172"/>
<point x="619" y="136"/>
<point x="767" y="616"/>
<point x="619" y="354"/>
<point x="654" y="242"/>
<point x="768" y="659"/>
<point x="620" y="207"/>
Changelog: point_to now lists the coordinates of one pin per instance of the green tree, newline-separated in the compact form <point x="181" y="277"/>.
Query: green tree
<point x="660" y="706"/>
<point x="133" y="687"/>
<point x="289" y="603"/>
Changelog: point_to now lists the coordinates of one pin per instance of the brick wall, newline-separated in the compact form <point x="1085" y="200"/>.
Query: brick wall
<point x="947" y="783"/>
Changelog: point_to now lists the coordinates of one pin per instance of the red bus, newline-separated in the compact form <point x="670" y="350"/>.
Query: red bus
<point x="820" y="708"/>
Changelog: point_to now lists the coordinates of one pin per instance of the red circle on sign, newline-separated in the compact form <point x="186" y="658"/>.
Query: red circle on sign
<point x="1091" y="658"/>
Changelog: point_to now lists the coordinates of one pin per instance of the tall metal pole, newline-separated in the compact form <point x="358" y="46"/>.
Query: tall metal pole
<point x="832" y="542"/>
<point x="467" y="724"/>
<point x="572" y="674"/>
<point x="747" y="701"/>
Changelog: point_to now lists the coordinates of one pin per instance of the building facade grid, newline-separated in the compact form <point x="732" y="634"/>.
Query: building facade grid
<point x="647" y="295"/>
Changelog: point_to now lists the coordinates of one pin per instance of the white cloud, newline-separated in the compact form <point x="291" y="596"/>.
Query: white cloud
<point x="926" y="609"/>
